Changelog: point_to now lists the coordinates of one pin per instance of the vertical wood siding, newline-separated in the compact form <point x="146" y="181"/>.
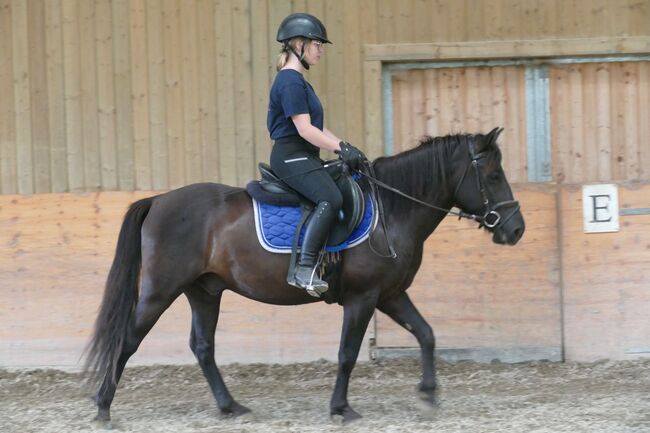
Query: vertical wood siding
<point x="155" y="94"/>
<point x="600" y="129"/>
<point x="475" y="100"/>
<point x="8" y="174"/>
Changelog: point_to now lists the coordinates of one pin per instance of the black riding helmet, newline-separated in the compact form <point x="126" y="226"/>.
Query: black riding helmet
<point x="301" y="25"/>
<point x="305" y="25"/>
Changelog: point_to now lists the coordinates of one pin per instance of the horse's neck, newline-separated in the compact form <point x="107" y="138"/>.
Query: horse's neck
<point x="424" y="220"/>
<point x="418" y="220"/>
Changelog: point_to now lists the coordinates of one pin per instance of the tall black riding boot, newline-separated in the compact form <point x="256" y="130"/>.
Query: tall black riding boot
<point x="318" y="228"/>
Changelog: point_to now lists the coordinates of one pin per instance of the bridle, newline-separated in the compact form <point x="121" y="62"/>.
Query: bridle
<point x="490" y="219"/>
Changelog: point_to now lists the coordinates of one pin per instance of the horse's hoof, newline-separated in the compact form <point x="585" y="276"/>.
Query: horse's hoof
<point x="102" y="422"/>
<point x="345" y="416"/>
<point x="235" y="410"/>
<point x="429" y="398"/>
<point x="428" y="401"/>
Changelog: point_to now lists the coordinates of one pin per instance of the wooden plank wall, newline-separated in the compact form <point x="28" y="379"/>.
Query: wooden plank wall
<point x="149" y="94"/>
<point x="471" y="290"/>
<point x="606" y="280"/>
<point x="55" y="253"/>
<point x="454" y="100"/>
<point x="599" y="121"/>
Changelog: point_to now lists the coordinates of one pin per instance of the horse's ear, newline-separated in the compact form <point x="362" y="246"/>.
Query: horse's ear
<point x="491" y="138"/>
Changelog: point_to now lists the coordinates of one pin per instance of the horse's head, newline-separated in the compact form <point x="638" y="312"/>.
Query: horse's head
<point x="483" y="189"/>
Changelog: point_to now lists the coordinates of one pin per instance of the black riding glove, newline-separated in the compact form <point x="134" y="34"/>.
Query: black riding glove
<point x="350" y="155"/>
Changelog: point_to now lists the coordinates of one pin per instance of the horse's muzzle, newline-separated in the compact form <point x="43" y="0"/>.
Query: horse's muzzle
<point x="511" y="231"/>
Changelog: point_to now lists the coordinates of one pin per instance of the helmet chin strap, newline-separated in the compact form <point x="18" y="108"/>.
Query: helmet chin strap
<point x="300" y="56"/>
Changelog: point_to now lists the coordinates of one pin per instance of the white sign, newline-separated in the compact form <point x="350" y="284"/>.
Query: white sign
<point x="600" y="208"/>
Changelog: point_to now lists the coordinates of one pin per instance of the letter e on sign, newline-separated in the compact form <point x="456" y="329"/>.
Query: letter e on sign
<point x="600" y="208"/>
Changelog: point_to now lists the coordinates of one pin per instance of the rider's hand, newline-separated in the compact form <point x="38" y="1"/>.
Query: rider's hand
<point x="350" y="155"/>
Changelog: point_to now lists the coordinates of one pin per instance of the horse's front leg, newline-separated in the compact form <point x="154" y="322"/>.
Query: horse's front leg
<point x="402" y="311"/>
<point x="357" y="311"/>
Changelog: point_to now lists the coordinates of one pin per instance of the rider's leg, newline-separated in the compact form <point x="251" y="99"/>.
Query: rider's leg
<point x="316" y="232"/>
<point x="303" y="171"/>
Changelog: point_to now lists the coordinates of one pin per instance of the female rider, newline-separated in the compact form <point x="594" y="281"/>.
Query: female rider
<point x="295" y="123"/>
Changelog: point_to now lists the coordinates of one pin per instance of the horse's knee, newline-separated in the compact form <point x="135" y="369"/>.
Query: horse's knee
<point x="204" y="352"/>
<point x="347" y="361"/>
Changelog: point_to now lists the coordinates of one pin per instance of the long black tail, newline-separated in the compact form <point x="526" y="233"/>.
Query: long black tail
<point x="120" y="297"/>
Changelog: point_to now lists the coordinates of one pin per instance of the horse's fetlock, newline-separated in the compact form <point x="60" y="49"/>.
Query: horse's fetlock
<point x="428" y="387"/>
<point x="225" y="405"/>
<point x="339" y="408"/>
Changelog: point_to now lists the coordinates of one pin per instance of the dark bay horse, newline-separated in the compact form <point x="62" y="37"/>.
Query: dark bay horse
<point x="200" y="240"/>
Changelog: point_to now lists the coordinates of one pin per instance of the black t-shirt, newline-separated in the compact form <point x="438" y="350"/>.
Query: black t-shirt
<point x="291" y="94"/>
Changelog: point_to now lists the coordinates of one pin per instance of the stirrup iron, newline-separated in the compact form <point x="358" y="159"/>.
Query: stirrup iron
<point x="315" y="290"/>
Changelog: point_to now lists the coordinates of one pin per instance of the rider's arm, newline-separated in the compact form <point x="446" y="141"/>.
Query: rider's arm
<point x="330" y="134"/>
<point x="324" y="140"/>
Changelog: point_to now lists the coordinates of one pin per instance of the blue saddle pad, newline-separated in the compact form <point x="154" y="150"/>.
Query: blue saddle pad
<point x="276" y="227"/>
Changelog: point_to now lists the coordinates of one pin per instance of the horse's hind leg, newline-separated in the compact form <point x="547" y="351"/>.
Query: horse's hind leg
<point x="205" y="314"/>
<point x="151" y="304"/>
<point x="402" y="311"/>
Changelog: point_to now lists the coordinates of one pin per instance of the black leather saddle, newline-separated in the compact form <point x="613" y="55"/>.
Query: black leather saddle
<point x="271" y="189"/>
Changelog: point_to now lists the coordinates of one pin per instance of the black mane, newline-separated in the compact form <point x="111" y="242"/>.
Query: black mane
<point x="416" y="171"/>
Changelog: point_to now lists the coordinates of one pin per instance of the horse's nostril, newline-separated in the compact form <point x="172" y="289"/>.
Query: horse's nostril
<point x="519" y="232"/>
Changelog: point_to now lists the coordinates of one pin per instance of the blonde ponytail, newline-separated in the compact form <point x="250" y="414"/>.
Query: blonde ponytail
<point x="285" y="52"/>
<point x="283" y="58"/>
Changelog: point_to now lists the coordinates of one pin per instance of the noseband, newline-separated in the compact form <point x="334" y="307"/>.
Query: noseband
<point x="491" y="217"/>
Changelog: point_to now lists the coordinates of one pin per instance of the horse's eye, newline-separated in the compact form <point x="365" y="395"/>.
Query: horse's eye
<point x="494" y="176"/>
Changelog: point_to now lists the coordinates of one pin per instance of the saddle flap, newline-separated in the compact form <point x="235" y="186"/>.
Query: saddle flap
<point x="353" y="210"/>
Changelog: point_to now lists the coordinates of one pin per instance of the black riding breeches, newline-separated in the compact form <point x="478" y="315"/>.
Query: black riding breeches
<point x="297" y="163"/>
